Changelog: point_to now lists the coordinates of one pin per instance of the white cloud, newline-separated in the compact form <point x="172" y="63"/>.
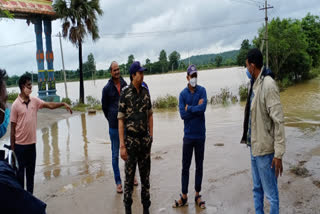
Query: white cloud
<point x="213" y="18"/>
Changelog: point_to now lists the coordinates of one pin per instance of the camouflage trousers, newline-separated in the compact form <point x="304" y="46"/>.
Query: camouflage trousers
<point x="138" y="150"/>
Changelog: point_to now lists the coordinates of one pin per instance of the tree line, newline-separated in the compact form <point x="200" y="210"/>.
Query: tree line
<point x="294" y="48"/>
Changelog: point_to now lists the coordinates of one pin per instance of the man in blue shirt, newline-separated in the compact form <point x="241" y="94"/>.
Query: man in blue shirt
<point x="110" y="101"/>
<point x="192" y="105"/>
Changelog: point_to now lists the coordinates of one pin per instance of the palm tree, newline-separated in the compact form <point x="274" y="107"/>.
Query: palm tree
<point x="79" y="17"/>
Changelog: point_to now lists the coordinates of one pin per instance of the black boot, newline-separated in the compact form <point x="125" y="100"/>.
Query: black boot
<point x="145" y="209"/>
<point x="128" y="210"/>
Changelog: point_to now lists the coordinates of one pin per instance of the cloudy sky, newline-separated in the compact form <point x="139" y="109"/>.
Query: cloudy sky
<point x="145" y="27"/>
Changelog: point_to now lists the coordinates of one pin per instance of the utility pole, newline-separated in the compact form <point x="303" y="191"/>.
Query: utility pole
<point x="266" y="7"/>
<point x="64" y="71"/>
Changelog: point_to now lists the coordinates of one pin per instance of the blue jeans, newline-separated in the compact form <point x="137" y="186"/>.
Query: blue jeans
<point x="264" y="181"/>
<point x="115" y="144"/>
<point x="188" y="146"/>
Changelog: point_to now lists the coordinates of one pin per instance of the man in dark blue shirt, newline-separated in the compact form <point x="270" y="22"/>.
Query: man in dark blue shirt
<point x="192" y="105"/>
<point x="110" y="102"/>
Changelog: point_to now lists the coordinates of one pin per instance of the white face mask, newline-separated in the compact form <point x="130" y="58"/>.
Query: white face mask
<point x="193" y="82"/>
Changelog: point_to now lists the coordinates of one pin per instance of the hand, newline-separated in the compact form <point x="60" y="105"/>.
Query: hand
<point x="67" y="107"/>
<point x="200" y="101"/>
<point x="186" y="108"/>
<point x="277" y="164"/>
<point x="123" y="153"/>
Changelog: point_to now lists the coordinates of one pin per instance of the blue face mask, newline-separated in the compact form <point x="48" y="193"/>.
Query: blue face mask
<point x="5" y="123"/>
<point x="248" y="74"/>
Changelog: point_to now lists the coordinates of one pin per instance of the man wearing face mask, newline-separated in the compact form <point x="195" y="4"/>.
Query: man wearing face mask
<point x="135" y="132"/>
<point x="192" y="106"/>
<point x="4" y="110"/>
<point x="23" y="129"/>
<point x="263" y="132"/>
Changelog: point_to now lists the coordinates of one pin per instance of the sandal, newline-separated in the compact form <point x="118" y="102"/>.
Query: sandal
<point x="135" y="182"/>
<point x="119" y="188"/>
<point x="201" y="204"/>
<point x="184" y="202"/>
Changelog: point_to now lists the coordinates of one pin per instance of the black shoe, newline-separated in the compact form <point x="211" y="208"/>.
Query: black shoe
<point x="146" y="210"/>
<point x="128" y="210"/>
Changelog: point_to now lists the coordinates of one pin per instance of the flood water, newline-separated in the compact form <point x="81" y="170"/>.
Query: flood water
<point x="80" y="145"/>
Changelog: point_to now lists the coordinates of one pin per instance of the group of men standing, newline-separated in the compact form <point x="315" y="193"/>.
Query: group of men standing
<point x="128" y="110"/>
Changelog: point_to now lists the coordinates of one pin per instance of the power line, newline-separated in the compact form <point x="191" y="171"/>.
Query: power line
<point x="15" y="44"/>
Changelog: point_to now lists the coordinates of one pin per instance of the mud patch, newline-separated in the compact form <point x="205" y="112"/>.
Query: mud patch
<point x="211" y="180"/>
<point x="316" y="183"/>
<point x="158" y="157"/>
<point x="316" y="151"/>
<point x="300" y="171"/>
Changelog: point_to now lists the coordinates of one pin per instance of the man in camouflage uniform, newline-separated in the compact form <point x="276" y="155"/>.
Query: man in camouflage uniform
<point x="135" y="132"/>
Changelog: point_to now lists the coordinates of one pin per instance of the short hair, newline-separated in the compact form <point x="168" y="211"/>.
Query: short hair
<point x="255" y="56"/>
<point x="23" y="80"/>
<point x="110" y="67"/>
<point x="3" y="76"/>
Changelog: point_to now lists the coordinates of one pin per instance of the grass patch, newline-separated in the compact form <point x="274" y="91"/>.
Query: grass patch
<point x="66" y="100"/>
<point x="12" y="96"/>
<point x="224" y="97"/>
<point x="92" y="103"/>
<point x="165" y="102"/>
<point x="243" y="92"/>
<point x="315" y="72"/>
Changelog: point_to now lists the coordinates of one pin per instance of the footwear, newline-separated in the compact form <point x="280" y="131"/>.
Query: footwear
<point x="146" y="210"/>
<point x="119" y="189"/>
<point x="184" y="202"/>
<point x="135" y="182"/>
<point x="201" y="204"/>
<point x="128" y="210"/>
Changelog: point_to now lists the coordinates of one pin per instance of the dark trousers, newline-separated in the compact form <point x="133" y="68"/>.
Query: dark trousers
<point x="188" y="146"/>
<point x="26" y="155"/>
<point x="138" y="150"/>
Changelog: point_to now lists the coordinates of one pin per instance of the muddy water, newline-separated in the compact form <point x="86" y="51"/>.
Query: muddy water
<point x="160" y="85"/>
<point x="80" y="145"/>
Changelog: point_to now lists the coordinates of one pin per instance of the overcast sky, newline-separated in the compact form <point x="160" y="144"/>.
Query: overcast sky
<point x="145" y="27"/>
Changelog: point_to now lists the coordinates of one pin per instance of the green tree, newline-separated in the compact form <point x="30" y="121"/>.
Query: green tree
<point x="174" y="59"/>
<point x="89" y="67"/>
<point x="286" y="39"/>
<point x="79" y="18"/>
<point x="311" y="27"/>
<point x="130" y="61"/>
<point x="218" y="60"/>
<point x="148" y="65"/>
<point x="163" y="61"/>
<point x="241" y="58"/>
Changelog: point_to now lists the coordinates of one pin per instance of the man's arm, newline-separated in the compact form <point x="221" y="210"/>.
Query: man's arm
<point x="52" y="105"/>
<point x="104" y="102"/>
<point x="274" y="108"/>
<point x="13" y="135"/>
<point x="182" y="109"/>
<point x="123" y="150"/>
<point x="150" y="124"/>
<point x="202" y="105"/>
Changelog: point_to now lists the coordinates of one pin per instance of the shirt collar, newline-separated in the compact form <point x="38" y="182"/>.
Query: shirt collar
<point x="22" y="101"/>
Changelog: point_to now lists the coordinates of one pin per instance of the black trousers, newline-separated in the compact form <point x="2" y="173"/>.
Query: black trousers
<point x="190" y="145"/>
<point x="26" y="155"/>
